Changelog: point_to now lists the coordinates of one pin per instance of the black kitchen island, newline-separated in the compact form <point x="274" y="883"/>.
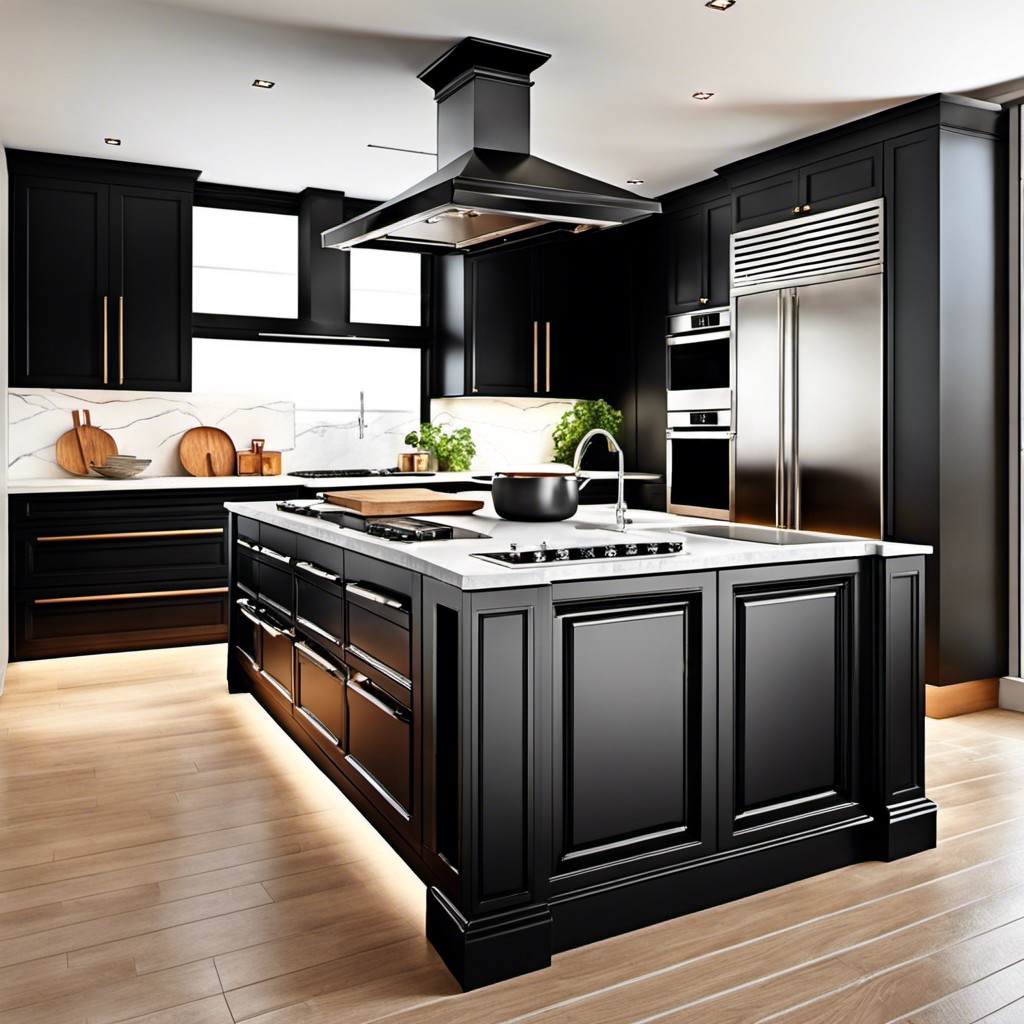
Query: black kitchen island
<point x="567" y="749"/>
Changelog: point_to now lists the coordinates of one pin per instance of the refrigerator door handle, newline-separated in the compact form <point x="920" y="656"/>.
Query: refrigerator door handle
<point x="780" y="462"/>
<point x="794" y="440"/>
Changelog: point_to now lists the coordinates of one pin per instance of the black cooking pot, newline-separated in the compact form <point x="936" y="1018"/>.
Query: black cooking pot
<point x="535" y="497"/>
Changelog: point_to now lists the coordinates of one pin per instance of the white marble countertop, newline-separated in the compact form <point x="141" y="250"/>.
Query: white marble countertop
<point x="453" y="561"/>
<point x="151" y="483"/>
<point x="44" y="485"/>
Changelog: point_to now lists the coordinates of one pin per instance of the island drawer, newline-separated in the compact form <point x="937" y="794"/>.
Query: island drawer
<point x="380" y="742"/>
<point x="276" y="581"/>
<point x="320" y="609"/>
<point x="320" y="696"/>
<point x="275" y="661"/>
<point x="277" y="540"/>
<point x="247" y="569"/>
<point x="328" y="557"/>
<point x="247" y="634"/>
<point x="380" y="577"/>
<point x="379" y="634"/>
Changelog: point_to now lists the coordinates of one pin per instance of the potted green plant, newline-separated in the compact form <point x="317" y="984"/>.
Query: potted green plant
<point x="453" y="450"/>
<point x="583" y="416"/>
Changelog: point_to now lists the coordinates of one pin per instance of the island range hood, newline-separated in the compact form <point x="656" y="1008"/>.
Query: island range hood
<point x="488" y="189"/>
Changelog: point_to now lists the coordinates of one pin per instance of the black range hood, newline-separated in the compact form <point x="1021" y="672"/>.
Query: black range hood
<point x="488" y="189"/>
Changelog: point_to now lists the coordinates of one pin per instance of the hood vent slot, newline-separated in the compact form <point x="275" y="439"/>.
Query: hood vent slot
<point x="815" y="248"/>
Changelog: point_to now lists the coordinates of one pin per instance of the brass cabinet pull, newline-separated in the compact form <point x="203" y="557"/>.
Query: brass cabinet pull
<point x="131" y="597"/>
<point x="106" y="352"/>
<point x="536" y="386"/>
<point x="703" y="301"/>
<point x="120" y="339"/>
<point x="796" y="209"/>
<point x="547" y="356"/>
<point x="134" y="533"/>
<point x="807" y="208"/>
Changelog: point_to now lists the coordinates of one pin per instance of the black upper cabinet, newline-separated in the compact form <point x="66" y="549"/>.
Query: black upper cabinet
<point x="101" y="274"/>
<point x="828" y="184"/>
<point x="553" y="319"/>
<point x="698" y="243"/>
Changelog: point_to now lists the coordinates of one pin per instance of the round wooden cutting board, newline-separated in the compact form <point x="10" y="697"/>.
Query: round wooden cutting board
<point x="207" y="451"/>
<point x="84" y="446"/>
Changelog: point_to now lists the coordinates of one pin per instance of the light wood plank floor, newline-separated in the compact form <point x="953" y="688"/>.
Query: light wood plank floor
<point x="168" y="857"/>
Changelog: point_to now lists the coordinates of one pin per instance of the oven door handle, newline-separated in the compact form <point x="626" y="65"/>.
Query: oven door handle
<point x="700" y="435"/>
<point x="692" y="339"/>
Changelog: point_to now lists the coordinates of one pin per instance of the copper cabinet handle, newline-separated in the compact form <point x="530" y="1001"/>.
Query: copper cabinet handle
<point x="536" y="386"/>
<point x="120" y="339"/>
<point x="129" y="597"/>
<point x="135" y="533"/>
<point x="547" y="356"/>
<point x="106" y="352"/>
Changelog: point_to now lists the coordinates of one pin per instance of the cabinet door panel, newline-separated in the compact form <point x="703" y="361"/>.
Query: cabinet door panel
<point x="843" y="180"/>
<point x="789" y="698"/>
<point x="765" y="201"/>
<point x="717" y="272"/>
<point x="60" y="268"/>
<point x="686" y="261"/>
<point x="152" y="245"/>
<point x="503" y="356"/>
<point x="634" y="743"/>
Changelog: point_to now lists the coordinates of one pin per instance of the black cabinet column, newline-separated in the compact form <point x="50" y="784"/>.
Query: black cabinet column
<point x="500" y="926"/>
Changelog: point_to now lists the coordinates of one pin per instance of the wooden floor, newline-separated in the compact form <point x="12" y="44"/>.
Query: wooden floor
<point x="168" y="857"/>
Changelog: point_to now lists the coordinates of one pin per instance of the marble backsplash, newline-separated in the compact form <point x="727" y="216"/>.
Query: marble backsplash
<point x="506" y="431"/>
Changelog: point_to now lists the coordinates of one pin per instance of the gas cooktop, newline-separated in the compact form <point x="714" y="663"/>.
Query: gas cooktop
<point x="399" y="528"/>
<point x="318" y="474"/>
<point x="544" y="555"/>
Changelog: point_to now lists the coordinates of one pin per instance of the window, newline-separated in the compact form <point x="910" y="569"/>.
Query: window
<point x="245" y="263"/>
<point x="385" y="287"/>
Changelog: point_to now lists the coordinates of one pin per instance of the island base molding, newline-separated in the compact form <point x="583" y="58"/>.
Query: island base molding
<point x="955" y="699"/>
<point x="483" y="951"/>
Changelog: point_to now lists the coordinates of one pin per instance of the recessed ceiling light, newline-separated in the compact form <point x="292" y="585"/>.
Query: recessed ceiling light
<point x="634" y="181"/>
<point x="720" y="5"/>
<point x="112" y="142"/>
<point x="262" y="83"/>
<point x="702" y="95"/>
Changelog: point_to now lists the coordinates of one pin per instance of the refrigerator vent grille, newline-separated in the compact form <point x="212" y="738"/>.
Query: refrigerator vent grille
<point x="821" y="246"/>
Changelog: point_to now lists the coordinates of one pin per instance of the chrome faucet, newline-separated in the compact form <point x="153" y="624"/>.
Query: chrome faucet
<point x="621" y="522"/>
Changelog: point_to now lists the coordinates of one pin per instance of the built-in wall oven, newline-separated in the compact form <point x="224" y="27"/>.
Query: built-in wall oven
<point x="699" y="462"/>
<point x="698" y="360"/>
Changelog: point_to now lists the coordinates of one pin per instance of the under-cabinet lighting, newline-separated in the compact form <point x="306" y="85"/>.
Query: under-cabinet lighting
<point x="262" y="83"/>
<point x="720" y="5"/>
<point x="112" y="142"/>
<point x="702" y="95"/>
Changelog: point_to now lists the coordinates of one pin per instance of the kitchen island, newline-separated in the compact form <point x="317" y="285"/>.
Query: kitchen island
<point x="566" y="744"/>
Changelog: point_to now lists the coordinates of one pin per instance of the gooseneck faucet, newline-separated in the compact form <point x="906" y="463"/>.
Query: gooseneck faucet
<point x="621" y="522"/>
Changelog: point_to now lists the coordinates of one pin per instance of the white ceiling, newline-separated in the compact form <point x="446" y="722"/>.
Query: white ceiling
<point x="171" y="78"/>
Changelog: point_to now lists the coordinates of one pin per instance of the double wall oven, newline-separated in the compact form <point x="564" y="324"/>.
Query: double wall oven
<point x="699" y="435"/>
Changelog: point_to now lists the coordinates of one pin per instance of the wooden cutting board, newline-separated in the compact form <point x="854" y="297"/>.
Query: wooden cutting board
<point x="401" y="501"/>
<point x="84" y="446"/>
<point x="207" y="451"/>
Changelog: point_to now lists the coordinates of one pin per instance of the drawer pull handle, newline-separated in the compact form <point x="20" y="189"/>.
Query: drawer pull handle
<point x="317" y="724"/>
<point x="358" y="652"/>
<point x="273" y="630"/>
<point x="131" y="597"/>
<point x="372" y="595"/>
<point x="273" y="554"/>
<point x="317" y="571"/>
<point x="321" y="663"/>
<point x="133" y="533"/>
<point x="365" y="689"/>
<point x="247" y="610"/>
<point x="245" y="544"/>
<point x="306" y="624"/>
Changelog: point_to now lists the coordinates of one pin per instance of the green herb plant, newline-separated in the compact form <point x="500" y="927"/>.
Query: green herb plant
<point x="453" y="449"/>
<point x="583" y="416"/>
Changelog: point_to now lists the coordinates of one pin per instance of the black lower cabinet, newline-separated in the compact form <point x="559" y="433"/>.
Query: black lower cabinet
<point x="572" y="761"/>
<point x="789" y="713"/>
<point x="116" y="571"/>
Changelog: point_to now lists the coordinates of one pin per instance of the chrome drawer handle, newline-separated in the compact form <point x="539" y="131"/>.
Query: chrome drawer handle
<point x="321" y="663"/>
<point x="372" y="595"/>
<point x="317" y="571"/>
<point x="245" y="544"/>
<point x="364" y="690"/>
<point x="306" y="624"/>
<point x="274" y="555"/>
<point x="379" y="665"/>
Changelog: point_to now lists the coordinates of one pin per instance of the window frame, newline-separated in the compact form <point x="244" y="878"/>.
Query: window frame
<point x="313" y="207"/>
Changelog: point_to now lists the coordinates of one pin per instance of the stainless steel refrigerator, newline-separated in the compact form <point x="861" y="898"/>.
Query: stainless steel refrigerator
<point x="808" y="373"/>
